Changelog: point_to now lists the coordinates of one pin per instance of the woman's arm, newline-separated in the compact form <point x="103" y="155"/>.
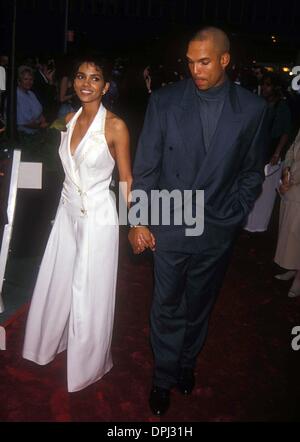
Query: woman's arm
<point x="121" y="145"/>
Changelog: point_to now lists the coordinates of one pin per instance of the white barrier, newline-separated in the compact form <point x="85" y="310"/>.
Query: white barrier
<point x="23" y="176"/>
<point x="2" y="338"/>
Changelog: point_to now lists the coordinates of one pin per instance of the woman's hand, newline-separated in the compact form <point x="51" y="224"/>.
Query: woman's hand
<point x="285" y="181"/>
<point x="283" y="188"/>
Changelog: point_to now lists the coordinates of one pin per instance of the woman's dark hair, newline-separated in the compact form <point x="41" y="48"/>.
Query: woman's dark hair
<point x="98" y="61"/>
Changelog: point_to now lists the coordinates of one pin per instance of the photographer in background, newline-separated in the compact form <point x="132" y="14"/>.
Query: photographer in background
<point x="44" y="87"/>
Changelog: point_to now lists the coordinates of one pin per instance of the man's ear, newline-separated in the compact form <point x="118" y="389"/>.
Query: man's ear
<point x="225" y="59"/>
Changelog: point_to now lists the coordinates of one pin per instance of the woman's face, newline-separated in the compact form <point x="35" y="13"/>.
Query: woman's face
<point x="89" y="83"/>
<point x="26" y="81"/>
<point x="267" y="88"/>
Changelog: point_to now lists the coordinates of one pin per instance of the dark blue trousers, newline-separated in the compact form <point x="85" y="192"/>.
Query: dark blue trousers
<point x="185" y="289"/>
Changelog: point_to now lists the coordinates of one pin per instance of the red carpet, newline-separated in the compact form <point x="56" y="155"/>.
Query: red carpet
<point x="247" y="371"/>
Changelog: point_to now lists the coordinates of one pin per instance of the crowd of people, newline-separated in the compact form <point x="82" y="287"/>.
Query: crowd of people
<point x="206" y="127"/>
<point x="45" y="91"/>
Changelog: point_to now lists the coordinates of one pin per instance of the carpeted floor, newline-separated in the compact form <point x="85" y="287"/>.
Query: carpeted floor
<point x="246" y="372"/>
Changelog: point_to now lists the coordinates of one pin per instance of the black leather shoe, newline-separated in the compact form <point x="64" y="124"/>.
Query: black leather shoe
<point x="159" y="400"/>
<point x="186" y="381"/>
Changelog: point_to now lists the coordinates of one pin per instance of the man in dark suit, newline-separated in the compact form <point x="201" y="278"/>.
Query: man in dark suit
<point x="200" y="133"/>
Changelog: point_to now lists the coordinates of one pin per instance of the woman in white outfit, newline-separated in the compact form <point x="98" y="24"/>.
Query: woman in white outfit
<point x="74" y="298"/>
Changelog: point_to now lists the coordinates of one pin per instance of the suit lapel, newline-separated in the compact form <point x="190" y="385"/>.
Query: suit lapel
<point x="188" y="119"/>
<point x="224" y="138"/>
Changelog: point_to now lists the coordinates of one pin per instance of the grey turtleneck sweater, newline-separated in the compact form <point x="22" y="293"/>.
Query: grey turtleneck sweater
<point x="211" y="104"/>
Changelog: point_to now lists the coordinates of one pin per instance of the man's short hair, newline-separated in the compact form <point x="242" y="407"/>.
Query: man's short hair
<point x="220" y="38"/>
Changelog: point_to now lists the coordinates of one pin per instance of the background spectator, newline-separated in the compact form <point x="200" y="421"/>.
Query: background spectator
<point x="30" y="116"/>
<point x="44" y="87"/>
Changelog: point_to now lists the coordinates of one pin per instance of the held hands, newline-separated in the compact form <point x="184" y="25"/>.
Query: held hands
<point x="140" y="239"/>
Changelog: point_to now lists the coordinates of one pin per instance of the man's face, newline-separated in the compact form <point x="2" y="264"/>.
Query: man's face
<point x="206" y="64"/>
<point x="267" y="88"/>
<point x="258" y="73"/>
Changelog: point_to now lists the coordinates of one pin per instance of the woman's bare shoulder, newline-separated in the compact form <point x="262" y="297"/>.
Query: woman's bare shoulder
<point x="114" y="122"/>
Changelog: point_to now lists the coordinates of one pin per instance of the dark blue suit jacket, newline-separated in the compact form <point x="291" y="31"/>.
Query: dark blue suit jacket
<point x="231" y="173"/>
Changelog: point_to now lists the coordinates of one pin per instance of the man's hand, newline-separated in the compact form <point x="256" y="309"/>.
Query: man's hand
<point x="140" y="239"/>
